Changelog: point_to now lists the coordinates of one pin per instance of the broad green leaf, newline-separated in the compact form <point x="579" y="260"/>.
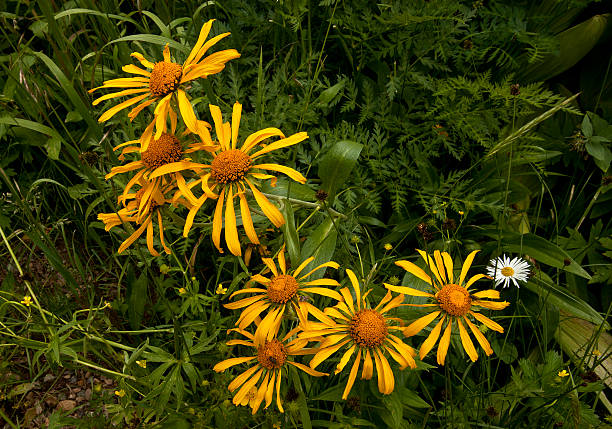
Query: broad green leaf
<point x="137" y="298"/>
<point x="574" y="43"/>
<point x="541" y="250"/>
<point x="292" y="241"/>
<point x="563" y="299"/>
<point x="53" y="147"/>
<point x="337" y="164"/>
<point x="321" y="244"/>
<point x="587" y="127"/>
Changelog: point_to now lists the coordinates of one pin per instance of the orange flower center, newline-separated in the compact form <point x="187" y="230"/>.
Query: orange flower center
<point x="454" y="299"/>
<point x="165" y="150"/>
<point x="230" y="165"/>
<point x="165" y="78"/>
<point x="368" y="328"/>
<point x="507" y="272"/>
<point x="282" y="288"/>
<point x="272" y="354"/>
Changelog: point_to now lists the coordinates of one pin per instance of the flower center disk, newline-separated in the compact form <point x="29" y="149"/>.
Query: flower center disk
<point x="507" y="271"/>
<point x="368" y="328"/>
<point x="282" y="288"/>
<point x="165" y="150"/>
<point x="455" y="300"/>
<point x="272" y="354"/>
<point x="230" y="165"/>
<point x="165" y="78"/>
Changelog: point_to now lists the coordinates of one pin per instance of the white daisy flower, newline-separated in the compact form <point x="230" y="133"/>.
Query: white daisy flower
<point x="503" y="270"/>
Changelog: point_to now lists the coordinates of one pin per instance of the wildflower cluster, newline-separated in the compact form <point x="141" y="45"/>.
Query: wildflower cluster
<point x="177" y="164"/>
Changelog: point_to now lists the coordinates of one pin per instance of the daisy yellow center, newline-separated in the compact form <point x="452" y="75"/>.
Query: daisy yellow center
<point x="282" y="288"/>
<point x="165" y="78"/>
<point x="230" y="165"/>
<point x="507" y="271"/>
<point x="272" y="354"/>
<point x="368" y="328"/>
<point x="165" y="150"/>
<point x="454" y="299"/>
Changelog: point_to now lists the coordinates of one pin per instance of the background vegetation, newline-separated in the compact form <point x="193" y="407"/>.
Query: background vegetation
<point x="453" y="125"/>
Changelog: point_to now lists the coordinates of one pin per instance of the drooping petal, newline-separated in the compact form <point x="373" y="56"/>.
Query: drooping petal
<point x="115" y="109"/>
<point x="289" y="141"/>
<point x="355" y="283"/>
<point x="466" y="266"/>
<point x="231" y="232"/>
<point x="408" y="290"/>
<point x="218" y="223"/>
<point x="236" y="113"/>
<point x="345" y="358"/>
<point x="148" y="64"/>
<point x="480" y="337"/>
<point x="258" y="136"/>
<point x="330" y="264"/>
<point x="468" y="345"/>
<point x="490" y="294"/>
<point x="487" y="322"/>
<point x="201" y="39"/>
<point x="418" y="325"/>
<point x="352" y="375"/>
<point x="368" y="367"/>
<point x="118" y="94"/>
<point x="294" y="174"/>
<point x="474" y="279"/>
<point x="223" y="365"/>
<point x="236" y="382"/>
<point x="414" y="270"/>
<point x="247" y="221"/>
<point x="326" y="352"/>
<point x="431" y="340"/>
<point x="448" y="264"/>
<point x="269" y="209"/>
<point x="444" y="342"/>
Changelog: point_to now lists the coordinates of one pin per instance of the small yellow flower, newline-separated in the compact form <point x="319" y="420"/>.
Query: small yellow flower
<point x="107" y="305"/>
<point x="276" y="425"/>
<point x="461" y="212"/>
<point x="182" y="291"/>
<point x="120" y="393"/>
<point x="388" y="246"/>
<point x="221" y="290"/>
<point x="164" y="269"/>
<point x="563" y="373"/>
<point x="142" y="363"/>
<point x="596" y="352"/>
<point x="27" y="300"/>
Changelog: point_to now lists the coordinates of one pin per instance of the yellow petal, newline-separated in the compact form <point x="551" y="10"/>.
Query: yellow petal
<point x="487" y="322"/>
<point x="223" y="365"/>
<point x="113" y="110"/>
<point x="480" y="337"/>
<point x="355" y="284"/>
<point x="269" y="209"/>
<point x="388" y="379"/>
<point x="414" y="270"/>
<point x="148" y="64"/>
<point x="231" y="232"/>
<point x="246" y="387"/>
<point x="307" y="369"/>
<point x="491" y="305"/>
<point x="289" y="141"/>
<point x="218" y="222"/>
<point x="281" y="260"/>
<point x="237" y="110"/>
<point x="167" y="54"/>
<point x="136" y="110"/>
<point x="448" y="264"/>
<point x="440" y="264"/>
<point x="118" y="94"/>
<point x="348" y="299"/>
<point x="295" y="175"/>
<point x="301" y="267"/>
<point x="466" y="266"/>
<point x="261" y="393"/>
<point x="408" y="290"/>
<point x="490" y="294"/>
<point x="201" y="39"/>
<point x="245" y="302"/>
<point x="131" y="68"/>
<point x="432" y="266"/>
<point x="418" y="325"/>
<point x="258" y="136"/>
<point x="468" y="345"/>
<point x="444" y="343"/>
<point x="474" y="279"/>
<point x="218" y="120"/>
<point x="236" y="382"/>
<point x="270" y="390"/>
<point x="352" y="375"/>
<point x="330" y="264"/>
<point x="431" y="339"/>
<point x="345" y="358"/>
<point x="368" y="367"/>
<point x="247" y="221"/>
<point x="187" y="111"/>
<point x="128" y="242"/>
<point x="323" y="291"/>
<point x="278" y="397"/>
<point x="324" y="353"/>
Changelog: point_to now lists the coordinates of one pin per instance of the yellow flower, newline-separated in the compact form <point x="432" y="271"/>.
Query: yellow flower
<point x="182" y="291"/>
<point x="231" y="174"/>
<point x="563" y="373"/>
<point x="461" y="212"/>
<point x="142" y="363"/>
<point x="364" y="330"/>
<point x="220" y="290"/>
<point x="281" y="290"/>
<point x="277" y="425"/>
<point x="388" y="247"/>
<point x="130" y="213"/>
<point x="161" y="165"/>
<point x="164" y="82"/>
<point x="271" y="357"/>
<point x="451" y="302"/>
<point x="27" y="300"/>
<point x="120" y="393"/>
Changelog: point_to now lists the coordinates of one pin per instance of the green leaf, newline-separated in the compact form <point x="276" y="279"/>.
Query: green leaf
<point x="151" y="38"/>
<point x="411" y="399"/>
<point x="504" y="350"/>
<point x="292" y="240"/>
<point x="587" y="127"/>
<point x="73" y="116"/>
<point x="137" y="298"/>
<point x="337" y="164"/>
<point x="541" y="250"/>
<point x="321" y="244"/>
<point x="563" y="299"/>
<point x="53" y="147"/>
